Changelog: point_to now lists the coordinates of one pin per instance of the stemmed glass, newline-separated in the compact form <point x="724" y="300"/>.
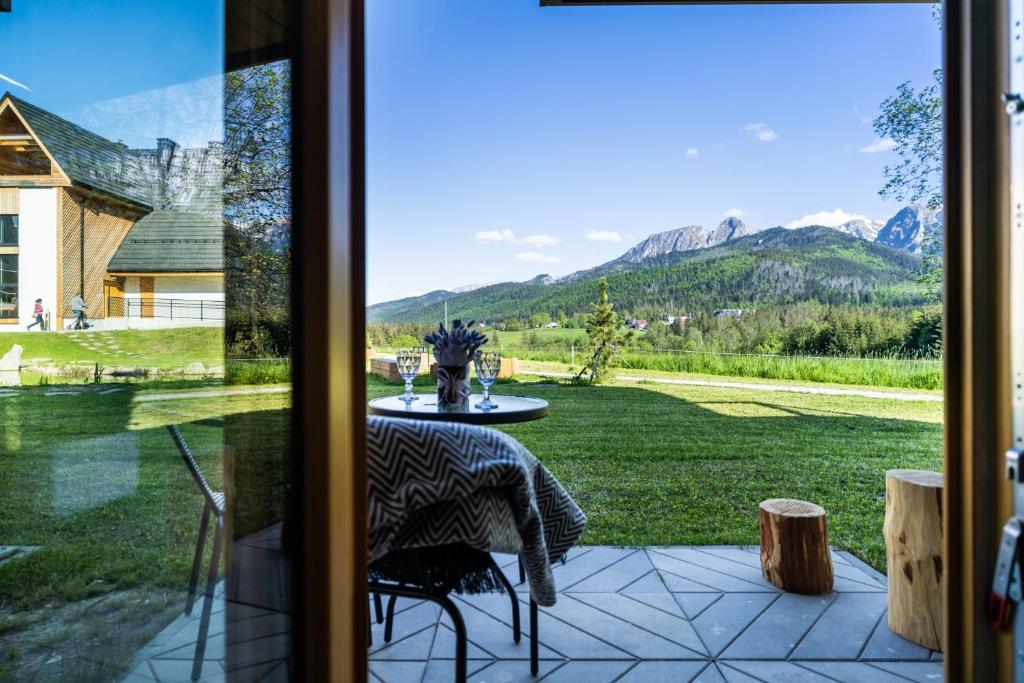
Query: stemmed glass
<point x="408" y="367"/>
<point x="487" y="363"/>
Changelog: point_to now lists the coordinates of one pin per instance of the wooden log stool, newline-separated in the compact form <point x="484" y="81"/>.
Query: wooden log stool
<point x="913" y="545"/>
<point x="794" y="546"/>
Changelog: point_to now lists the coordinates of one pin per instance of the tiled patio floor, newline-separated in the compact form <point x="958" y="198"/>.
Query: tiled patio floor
<point x="664" y="615"/>
<point x="630" y="615"/>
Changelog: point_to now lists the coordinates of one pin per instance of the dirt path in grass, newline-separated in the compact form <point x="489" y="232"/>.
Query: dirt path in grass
<point x="751" y="386"/>
<point x="209" y="393"/>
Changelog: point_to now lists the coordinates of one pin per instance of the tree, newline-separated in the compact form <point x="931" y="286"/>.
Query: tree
<point x="512" y="325"/>
<point x="912" y="120"/>
<point x="257" y="208"/>
<point x="539" y="319"/>
<point x="561" y="318"/>
<point x="605" y="338"/>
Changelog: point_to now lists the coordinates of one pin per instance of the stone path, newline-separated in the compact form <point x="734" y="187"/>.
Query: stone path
<point x="209" y="393"/>
<point x="672" y="614"/>
<point x="623" y="614"/>
<point x="753" y="386"/>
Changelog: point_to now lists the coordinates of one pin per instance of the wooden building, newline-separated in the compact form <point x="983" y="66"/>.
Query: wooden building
<point x="138" y="233"/>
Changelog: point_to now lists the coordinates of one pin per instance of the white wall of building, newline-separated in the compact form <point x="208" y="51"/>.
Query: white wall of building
<point x="206" y="287"/>
<point x="37" y="257"/>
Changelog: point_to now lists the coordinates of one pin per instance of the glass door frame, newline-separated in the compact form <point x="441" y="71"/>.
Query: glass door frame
<point x="329" y="277"/>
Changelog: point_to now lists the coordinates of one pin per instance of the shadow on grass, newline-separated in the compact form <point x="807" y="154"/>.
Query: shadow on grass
<point x="90" y="479"/>
<point x="661" y="464"/>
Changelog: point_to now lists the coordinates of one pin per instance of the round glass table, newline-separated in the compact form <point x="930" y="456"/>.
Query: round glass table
<point x="510" y="409"/>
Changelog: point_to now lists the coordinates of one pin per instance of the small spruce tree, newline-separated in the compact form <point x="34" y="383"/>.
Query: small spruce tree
<point x="604" y="337"/>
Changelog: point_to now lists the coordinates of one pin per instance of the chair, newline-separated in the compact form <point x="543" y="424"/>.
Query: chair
<point x="214" y="503"/>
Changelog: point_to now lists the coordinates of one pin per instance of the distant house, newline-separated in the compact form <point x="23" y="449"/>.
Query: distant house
<point x="636" y="324"/>
<point x="137" y="232"/>
<point x="729" y="313"/>
<point x="551" y="325"/>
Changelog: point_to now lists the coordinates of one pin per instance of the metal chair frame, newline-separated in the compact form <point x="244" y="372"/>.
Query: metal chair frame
<point x="213" y="504"/>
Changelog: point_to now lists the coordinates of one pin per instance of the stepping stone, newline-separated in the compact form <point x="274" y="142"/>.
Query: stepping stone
<point x="886" y="645"/>
<point x="650" y="583"/>
<point x="660" y="601"/>
<point x="720" y="623"/>
<point x="414" y="647"/>
<point x="398" y="672"/>
<point x="705" y="576"/>
<point x="773" y="672"/>
<point x="592" y="672"/>
<point x="915" y="671"/>
<point x="778" y="630"/>
<point x="583" y="566"/>
<point x="853" y="672"/>
<point x="844" y="628"/>
<point x="617" y="576"/>
<point x="668" y="626"/>
<point x="444" y="645"/>
<point x="693" y="604"/>
<point x="644" y="672"/>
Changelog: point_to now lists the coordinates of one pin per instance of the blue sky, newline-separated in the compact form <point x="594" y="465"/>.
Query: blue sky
<point x="555" y="123"/>
<point x="502" y="134"/>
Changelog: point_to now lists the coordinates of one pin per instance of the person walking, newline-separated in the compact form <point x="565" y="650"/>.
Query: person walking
<point x="37" y="313"/>
<point x="78" y="308"/>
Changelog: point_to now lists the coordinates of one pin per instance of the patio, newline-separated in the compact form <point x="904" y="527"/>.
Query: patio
<point x="672" y="614"/>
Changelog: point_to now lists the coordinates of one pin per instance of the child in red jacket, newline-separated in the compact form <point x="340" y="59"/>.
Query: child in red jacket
<point x="37" y="313"/>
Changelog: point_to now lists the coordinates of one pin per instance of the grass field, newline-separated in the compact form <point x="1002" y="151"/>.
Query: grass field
<point x="93" y="480"/>
<point x="655" y="464"/>
<point x="167" y="348"/>
<point x="554" y="346"/>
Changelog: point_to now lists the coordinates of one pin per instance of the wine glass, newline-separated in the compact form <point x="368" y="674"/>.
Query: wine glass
<point x="487" y="363"/>
<point x="408" y="361"/>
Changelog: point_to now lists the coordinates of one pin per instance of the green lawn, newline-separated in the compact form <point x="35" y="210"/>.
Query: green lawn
<point x="169" y="348"/>
<point x="654" y="464"/>
<point x="94" y="480"/>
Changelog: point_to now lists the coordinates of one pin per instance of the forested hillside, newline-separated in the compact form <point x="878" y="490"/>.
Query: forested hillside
<point x="776" y="266"/>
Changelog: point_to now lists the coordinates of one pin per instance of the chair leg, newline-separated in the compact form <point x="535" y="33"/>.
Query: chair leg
<point x="522" y="569"/>
<point x="534" y="663"/>
<point x="516" y="630"/>
<point x="377" y="608"/>
<point x="460" y="636"/>
<point x="211" y="583"/>
<point x="197" y="560"/>
<point x="389" y="620"/>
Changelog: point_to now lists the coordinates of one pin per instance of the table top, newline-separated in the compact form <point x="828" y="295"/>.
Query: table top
<point x="510" y="409"/>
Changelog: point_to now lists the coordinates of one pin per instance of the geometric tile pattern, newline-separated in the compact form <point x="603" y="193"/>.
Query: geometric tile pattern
<point x="623" y="614"/>
<point x="665" y="614"/>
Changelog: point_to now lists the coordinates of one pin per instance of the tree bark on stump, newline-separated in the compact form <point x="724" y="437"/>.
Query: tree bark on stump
<point x="913" y="544"/>
<point x="794" y="546"/>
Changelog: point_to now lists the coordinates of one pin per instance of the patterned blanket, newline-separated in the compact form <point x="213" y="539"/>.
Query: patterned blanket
<point x="438" y="483"/>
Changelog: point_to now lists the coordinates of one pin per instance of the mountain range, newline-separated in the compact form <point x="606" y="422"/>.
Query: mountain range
<point x="690" y="268"/>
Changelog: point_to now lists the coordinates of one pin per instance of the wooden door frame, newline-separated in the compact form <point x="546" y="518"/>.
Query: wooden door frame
<point x="329" y="277"/>
<point x="329" y="306"/>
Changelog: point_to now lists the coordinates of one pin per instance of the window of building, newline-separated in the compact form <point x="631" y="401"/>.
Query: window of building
<point x="8" y="231"/>
<point x="8" y="286"/>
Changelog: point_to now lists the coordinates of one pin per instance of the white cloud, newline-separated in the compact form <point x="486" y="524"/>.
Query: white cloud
<point x="879" y="145"/>
<point x="761" y="131"/>
<point x="827" y="218"/>
<point x="692" y="152"/>
<point x="604" y="236"/>
<point x="509" y="237"/>
<point x="534" y="257"/>
<point x="734" y="213"/>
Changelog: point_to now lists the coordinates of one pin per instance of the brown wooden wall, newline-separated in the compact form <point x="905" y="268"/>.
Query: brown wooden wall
<point x="106" y="224"/>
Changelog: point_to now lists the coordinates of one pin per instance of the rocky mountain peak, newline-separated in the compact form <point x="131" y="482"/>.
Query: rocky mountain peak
<point x="906" y="230"/>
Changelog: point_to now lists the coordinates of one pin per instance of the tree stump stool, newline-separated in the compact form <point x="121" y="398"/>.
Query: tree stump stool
<point x="913" y="545"/>
<point x="794" y="546"/>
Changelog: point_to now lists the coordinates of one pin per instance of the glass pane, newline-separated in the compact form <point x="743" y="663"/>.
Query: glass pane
<point x="8" y="230"/>
<point x="144" y="415"/>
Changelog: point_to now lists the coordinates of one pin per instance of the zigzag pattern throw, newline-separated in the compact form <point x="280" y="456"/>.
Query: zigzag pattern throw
<point x="436" y="483"/>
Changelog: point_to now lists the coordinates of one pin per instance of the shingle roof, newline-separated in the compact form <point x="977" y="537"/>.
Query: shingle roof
<point x="185" y="230"/>
<point x="88" y="159"/>
<point x="169" y="240"/>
